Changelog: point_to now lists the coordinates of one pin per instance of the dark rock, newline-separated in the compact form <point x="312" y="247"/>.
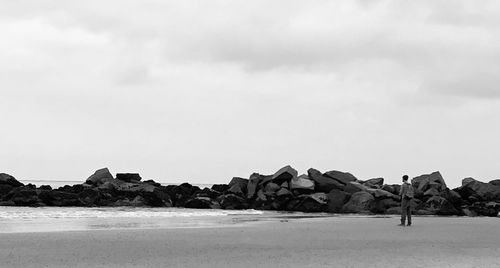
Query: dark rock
<point x="180" y="194"/>
<point x="285" y="174"/>
<point x="453" y="197"/>
<point x="424" y="182"/>
<point x="156" y="197"/>
<point x="380" y="206"/>
<point x="374" y="183"/>
<point x="220" y="187"/>
<point x="253" y="184"/>
<point x="285" y="185"/>
<point x="467" y="180"/>
<point x="431" y="192"/>
<point x="240" y="182"/>
<point x="302" y="182"/>
<point x="90" y="197"/>
<point x="490" y="209"/>
<point x="232" y="201"/>
<point x="59" y="198"/>
<point x="5" y="189"/>
<point x="7" y="203"/>
<point x="396" y="210"/>
<point x="342" y="177"/>
<point x="23" y="196"/>
<point x="360" y="202"/>
<point x="353" y="187"/>
<point x="46" y="187"/>
<point x="202" y="203"/>
<point x="236" y="189"/>
<point x="6" y="179"/>
<point x="379" y="193"/>
<point x="317" y="202"/>
<point x="322" y="183"/>
<point x="99" y="177"/>
<point x="129" y="177"/>
<point x="283" y="192"/>
<point x="154" y="183"/>
<point x="480" y="190"/>
<point x="423" y="212"/>
<point x="393" y="189"/>
<point x="271" y="188"/>
<point x="207" y="192"/>
<point x="440" y="206"/>
<point x="336" y="200"/>
<point x="495" y="182"/>
<point x="469" y="213"/>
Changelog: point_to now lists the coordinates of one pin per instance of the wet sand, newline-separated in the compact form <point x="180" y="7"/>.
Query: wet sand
<point x="276" y="242"/>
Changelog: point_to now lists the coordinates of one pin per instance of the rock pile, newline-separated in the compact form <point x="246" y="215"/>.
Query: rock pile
<point x="332" y="191"/>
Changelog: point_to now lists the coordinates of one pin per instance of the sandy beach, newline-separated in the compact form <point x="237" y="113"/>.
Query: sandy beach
<point x="277" y="242"/>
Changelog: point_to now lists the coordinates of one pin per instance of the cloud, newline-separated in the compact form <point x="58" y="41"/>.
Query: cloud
<point x="207" y="89"/>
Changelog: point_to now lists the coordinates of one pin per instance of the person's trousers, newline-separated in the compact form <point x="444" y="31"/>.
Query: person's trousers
<point x="405" y="210"/>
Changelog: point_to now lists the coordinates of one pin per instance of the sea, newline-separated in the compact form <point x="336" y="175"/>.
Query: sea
<point x="58" y="219"/>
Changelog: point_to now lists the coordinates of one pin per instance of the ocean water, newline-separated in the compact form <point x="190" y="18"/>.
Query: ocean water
<point x="54" y="219"/>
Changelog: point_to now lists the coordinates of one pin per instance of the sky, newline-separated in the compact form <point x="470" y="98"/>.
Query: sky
<point x="203" y="91"/>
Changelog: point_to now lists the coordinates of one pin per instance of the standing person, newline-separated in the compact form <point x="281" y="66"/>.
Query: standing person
<point x="406" y="194"/>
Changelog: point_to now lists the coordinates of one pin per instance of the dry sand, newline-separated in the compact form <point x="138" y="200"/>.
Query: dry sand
<point x="321" y="242"/>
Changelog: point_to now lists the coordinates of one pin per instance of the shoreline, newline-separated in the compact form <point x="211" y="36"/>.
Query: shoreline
<point x="316" y="242"/>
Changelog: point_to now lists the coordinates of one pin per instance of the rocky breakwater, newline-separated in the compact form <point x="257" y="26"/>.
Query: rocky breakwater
<point x="332" y="191"/>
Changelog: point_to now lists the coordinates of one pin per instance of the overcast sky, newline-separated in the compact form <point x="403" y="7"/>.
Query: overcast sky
<point x="202" y="91"/>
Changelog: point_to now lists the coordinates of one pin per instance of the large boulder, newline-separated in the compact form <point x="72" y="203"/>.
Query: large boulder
<point x="302" y="182"/>
<point x="425" y="182"/>
<point x="236" y="189"/>
<point x="317" y="202"/>
<point x="179" y="194"/>
<point x="253" y="183"/>
<point x="354" y="186"/>
<point x="342" y="177"/>
<point x="495" y="182"/>
<point x="156" y="197"/>
<point x="479" y="190"/>
<point x="392" y="188"/>
<point x="285" y="174"/>
<point x="336" y="200"/>
<point x="440" y="206"/>
<point x="99" y="177"/>
<point x="467" y="180"/>
<point x="379" y="193"/>
<point x="240" y="183"/>
<point x="6" y="179"/>
<point x="360" y="202"/>
<point x="271" y="188"/>
<point x="129" y="177"/>
<point x="324" y="184"/>
<point x="374" y="183"/>
<point x="220" y="187"/>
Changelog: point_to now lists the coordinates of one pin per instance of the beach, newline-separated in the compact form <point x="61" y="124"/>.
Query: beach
<point x="256" y="241"/>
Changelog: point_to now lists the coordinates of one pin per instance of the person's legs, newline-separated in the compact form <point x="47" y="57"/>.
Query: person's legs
<point x="408" y="213"/>
<point x="403" y="211"/>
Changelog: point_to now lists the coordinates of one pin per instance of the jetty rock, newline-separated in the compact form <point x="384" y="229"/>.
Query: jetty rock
<point x="332" y="192"/>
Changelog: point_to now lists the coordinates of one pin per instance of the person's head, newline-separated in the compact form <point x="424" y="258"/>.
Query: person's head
<point x="405" y="178"/>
